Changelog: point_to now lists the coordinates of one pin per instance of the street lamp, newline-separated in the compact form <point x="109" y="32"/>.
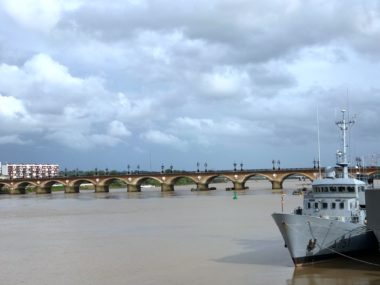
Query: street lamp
<point x="138" y="168"/>
<point x="273" y="162"/>
<point x="129" y="169"/>
<point x="96" y="171"/>
<point x="197" y="166"/>
<point x="205" y="166"/>
<point x="107" y="171"/>
<point x="278" y="164"/>
<point x="162" y="168"/>
<point x="234" y="166"/>
<point x="171" y="168"/>
<point x="241" y="166"/>
<point x="314" y="163"/>
<point x="65" y="171"/>
<point x="76" y="172"/>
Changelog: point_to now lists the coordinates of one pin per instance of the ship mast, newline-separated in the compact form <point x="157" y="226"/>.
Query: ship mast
<point x="342" y="154"/>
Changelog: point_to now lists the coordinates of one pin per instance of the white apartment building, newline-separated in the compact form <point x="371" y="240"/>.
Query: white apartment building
<point x="29" y="170"/>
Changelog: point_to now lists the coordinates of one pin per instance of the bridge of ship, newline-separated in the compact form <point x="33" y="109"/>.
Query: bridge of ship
<point x="71" y="184"/>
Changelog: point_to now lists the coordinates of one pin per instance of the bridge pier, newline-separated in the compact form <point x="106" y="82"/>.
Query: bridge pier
<point x="202" y="187"/>
<point x="239" y="186"/>
<point x="71" y="189"/>
<point x="102" y="188"/>
<point x="167" y="187"/>
<point x="133" y="188"/>
<point x="276" y="185"/>
<point x="43" y="190"/>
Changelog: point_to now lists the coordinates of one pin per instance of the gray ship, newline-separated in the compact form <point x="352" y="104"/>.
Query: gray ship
<point x="333" y="218"/>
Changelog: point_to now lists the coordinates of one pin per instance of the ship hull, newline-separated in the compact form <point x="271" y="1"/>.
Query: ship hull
<point x="312" y="239"/>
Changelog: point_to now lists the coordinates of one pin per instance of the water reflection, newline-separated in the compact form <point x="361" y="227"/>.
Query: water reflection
<point x="340" y="270"/>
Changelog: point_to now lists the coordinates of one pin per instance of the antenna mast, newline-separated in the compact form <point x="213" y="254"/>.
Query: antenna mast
<point x="342" y="154"/>
<point x="319" y="145"/>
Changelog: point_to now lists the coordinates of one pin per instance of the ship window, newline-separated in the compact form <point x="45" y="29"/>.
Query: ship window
<point x="333" y="205"/>
<point x="324" y="205"/>
<point x="341" y="205"/>
<point x="316" y="205"/>
<point x="333" y="189"/>
<point x="351" y="189"/>
<point x="308" y="205"/>
<point x="341" y="189"/>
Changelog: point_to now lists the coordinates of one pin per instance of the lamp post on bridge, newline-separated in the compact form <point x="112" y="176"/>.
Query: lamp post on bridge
<point x="278" y="164"/>
<point x="162" y="168"/>
<point x="235" y="166"/>
<point x="273" y="163"/>
<point x="129" y="169"/>
<point x="197" y="166"/>
<point x="205" y="166"/>
<point x="171" y="168"/>
<point x="107" y="171"/>
<point x="138" y="168"/>
<point x="96" y="171"/>
<point x="241" y="166"/>
<point x="314" y="163"/>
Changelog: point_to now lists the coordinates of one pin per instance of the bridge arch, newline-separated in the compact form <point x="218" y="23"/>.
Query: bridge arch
<point x="22" y="186"/>
<point x="258" y="180"/>
<point x="106" y="183"/>
<point x="211" y="178"/>
<point x="374" y="177"/>
<point x="300" y="174"/>
<point x="47" y="186"/>
<point x="258" y="175"/>
<point x="228" y="182"/>
<point x="141" y="180"/>
<point x="301" y="178"/>
<point x="182" y="181"/>
<point x="109" y="181"/>
<point x="136" y="185"/>
<point x="74" y="186"/>
<point x="374" y="173"/>
<point x="4" y="187"/>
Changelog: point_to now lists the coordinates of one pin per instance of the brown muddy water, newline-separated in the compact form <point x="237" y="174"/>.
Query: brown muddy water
<point x="151" y="237"/>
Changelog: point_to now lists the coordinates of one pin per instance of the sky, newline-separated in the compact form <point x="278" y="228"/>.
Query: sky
<point x="106" y="84"/>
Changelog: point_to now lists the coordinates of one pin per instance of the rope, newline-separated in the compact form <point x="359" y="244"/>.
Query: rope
<point x="332" y="250"/>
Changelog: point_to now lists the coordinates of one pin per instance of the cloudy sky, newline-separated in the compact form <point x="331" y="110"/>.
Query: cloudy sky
<point x="95" y="83"/>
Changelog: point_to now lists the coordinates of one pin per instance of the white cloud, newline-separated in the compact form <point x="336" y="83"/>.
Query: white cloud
<point x="39" y="15"/>
<point x="227" y="82"/>
<point x="12" y="108"/>
<point x="118" y="129"/>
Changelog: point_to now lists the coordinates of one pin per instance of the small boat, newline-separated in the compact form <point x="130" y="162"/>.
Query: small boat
<point x="333" y="218"/>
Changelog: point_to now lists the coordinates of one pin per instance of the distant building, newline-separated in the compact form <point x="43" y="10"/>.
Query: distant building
<point x="29" y="170"/>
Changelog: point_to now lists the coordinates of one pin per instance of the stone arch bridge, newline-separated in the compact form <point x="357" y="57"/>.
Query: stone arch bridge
<point x="167" y="181"/>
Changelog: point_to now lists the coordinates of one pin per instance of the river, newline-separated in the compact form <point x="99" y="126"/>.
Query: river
<point x="182" y="237"/>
